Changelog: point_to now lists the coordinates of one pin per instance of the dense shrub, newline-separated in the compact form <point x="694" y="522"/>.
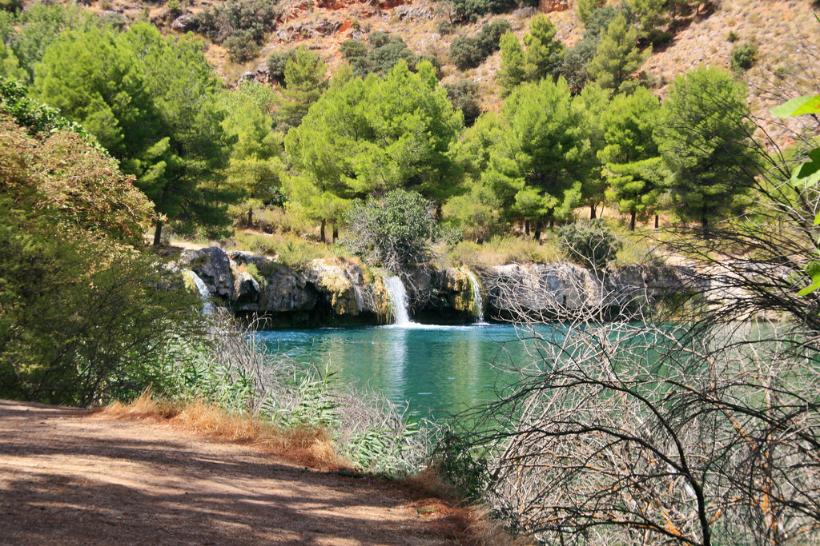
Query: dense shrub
<point x="743" y="56"/>
<point x="574" y="65"/>
<point x="461" y="464"/>
<point x="592" y="244"/>
<point x="379" y="55"/>
<point x="252" y="17"/>
<point x="11" y="5"/>
<point x="394" y="232"/>
<point x="277" y="61"/>
<point x="465" y="11"/>
<point x="469" y="52"/>
<point x="464" y="96"/>
<point x="83" y="311"/>
<point x="241" y="46"/>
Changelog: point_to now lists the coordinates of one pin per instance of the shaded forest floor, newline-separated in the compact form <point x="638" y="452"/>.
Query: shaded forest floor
<point x="70" y="476"/>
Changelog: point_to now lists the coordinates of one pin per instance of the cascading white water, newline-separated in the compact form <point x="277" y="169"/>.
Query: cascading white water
<point x="477" y="301"/>
<point x="398" y="300"/>
<point x="204" y="293"/>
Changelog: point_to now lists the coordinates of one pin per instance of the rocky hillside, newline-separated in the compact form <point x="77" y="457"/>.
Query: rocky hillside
<point x="785" y="32"/>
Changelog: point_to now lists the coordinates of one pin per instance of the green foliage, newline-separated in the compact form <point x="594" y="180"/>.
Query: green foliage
<point x="372" y="135"/>
<point x="575" y="63"/>
<point x="703" y="137"/>
<point x="475" y="213"/>
<point x="633" y="167"/>
<point x="544" y="52"/>
<point x="463" y="94"/>
<point x="9" y="64"/>
<point x="241" y="46"/>
<point x="249" y="18"/>
<point x="277" y="61"/>
<point x="36" y="27"/>
<point x="255" y="167"/>
<point x="513" y="67"/>
<point x="537" y="166"/>
<point x="151" y="101"/>
<point x="304" y="83"/>
<point x="461" y="464"/>
<point x="394" y="232"/>
<point x="35" y="116"/>
<point x="82" y="312"/>
<point x="585" y="8"/>
<point x="591" y="106"/>
<point x="465" y="11"/>
<point x="617" y="57"/>
<point x="469" y="52"/>
<point x="382" y="52"/>
<point x="651" y="18"/>
<point x="541" y="58"/>
<point x="592" y="244"/>
<point x="743" y="56"/>
<point x="799" y="106"/>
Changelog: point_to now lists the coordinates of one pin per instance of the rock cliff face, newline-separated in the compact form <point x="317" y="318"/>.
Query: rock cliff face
<point x="322" y="293"/>
<point x="565" y="290"/>
<point x="345" y="292"/>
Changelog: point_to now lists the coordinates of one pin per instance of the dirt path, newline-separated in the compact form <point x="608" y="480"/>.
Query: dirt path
<point x="67" y="477"/>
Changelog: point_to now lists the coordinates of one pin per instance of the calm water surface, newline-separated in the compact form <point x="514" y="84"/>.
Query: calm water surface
<point x="435" y="370"/>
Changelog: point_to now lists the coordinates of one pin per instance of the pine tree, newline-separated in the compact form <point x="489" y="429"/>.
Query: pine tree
<point x="651" y="16"/>
<point x="632" y="165"/>
<point x="704" y="139"/>
<point x="537" y="166"/>
<point x="585" y="8"/>
<point x="256" y="167"/>
<point x="305" y="75"/>
<point x="591" y="105"/>
<point x="513" y="67"/>
<point x="617" y="56"/>
<point x="371" y="136"/>
<point x="544" y="52"/>
<point x="151" y="101"/>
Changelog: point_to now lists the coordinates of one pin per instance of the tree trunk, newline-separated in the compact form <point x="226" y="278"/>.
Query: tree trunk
<point x="704" y="222"/>
<point x="593" y="214"/>
<point x="158" y="233"/>
<point x="335" y="232"/>
<point x="552" y="223"/>
<point x="527" y="228"/>
<point x="537" y="235"/>
<point x="656" y="221"/>
<point x="322" y="231"/>
<point x="250" y="217"/>
<point x="632" y="221"/>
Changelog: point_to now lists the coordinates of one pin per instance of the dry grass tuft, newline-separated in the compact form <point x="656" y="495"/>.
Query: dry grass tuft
<point x="479" y="528"/>
<point x="303" y="445"/>
<point x="485" y="531"/>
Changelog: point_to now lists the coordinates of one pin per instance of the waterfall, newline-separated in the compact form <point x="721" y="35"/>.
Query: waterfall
<point x="398" y="300"/>
<point x="204" y="293"/>
<point x="479" y="303"/>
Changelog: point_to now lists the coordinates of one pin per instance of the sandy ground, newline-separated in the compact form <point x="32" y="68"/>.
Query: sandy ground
<point x="70" y="477"/>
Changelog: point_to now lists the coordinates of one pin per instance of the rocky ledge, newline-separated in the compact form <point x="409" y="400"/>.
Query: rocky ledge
<point x="335" y="292"/>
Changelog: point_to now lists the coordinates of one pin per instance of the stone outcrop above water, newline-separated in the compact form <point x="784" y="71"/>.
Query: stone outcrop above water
<point x="566" y="290"/>
<point x="337" y="291"/>
<point x="323" y="292"/>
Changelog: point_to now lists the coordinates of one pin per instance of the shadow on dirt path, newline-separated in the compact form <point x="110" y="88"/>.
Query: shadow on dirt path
<point x="68" y="478"/>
